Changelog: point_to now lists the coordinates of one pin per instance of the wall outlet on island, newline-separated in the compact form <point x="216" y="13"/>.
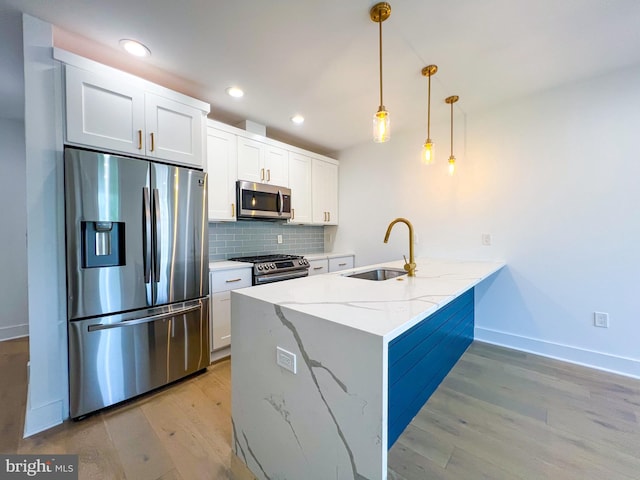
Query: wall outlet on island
<point x="286" y="360"/>
<point x="601" y="319"/>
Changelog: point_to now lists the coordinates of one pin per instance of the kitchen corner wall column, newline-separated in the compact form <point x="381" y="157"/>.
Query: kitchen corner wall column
<point x="235" y="154"/>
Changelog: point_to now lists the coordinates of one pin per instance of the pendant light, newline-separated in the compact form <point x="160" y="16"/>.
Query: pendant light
<point x="427" y="148"/>
<point x="452" y="160"/>
<point x="381" y="121"/>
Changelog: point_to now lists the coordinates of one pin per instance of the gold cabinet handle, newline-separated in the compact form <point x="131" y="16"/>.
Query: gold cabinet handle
<point x="139" y="139"/>
<point x="268" y="174"/>
<point x="233" y="281"/>
<point x="262" y="174"/>
<point x="329" y="215"/>
<point x="153" y="142"/>
<point x="318" y="268"/>
<point x="342" y="264"/>
<point x="293" y="213"/>
<point x="233" y="210"/>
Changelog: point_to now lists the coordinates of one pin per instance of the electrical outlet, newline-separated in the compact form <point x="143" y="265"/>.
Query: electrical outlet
<point x="279" y="238"/>
<point x="286" y="360"/>
<point x="486" y="239"/>
<point x="601" y="319"/>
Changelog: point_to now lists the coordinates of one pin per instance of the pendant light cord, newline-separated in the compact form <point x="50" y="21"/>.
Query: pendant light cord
<point x="380" y="50"/>
<point x="429" y="109"/>
<point x="452" y="129"/>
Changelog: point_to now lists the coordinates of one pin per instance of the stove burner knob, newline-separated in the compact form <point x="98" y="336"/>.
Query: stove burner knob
<point x="273" y="265"/>
<point x="259" y="267"/>
<point x="306" y="262"/>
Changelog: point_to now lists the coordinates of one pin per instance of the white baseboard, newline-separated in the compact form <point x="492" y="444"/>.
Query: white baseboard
<point x="220" y="354"/>
<point x="43" y="417"/>
<point x="588" y="358"/>
<point x="14" y="331"/>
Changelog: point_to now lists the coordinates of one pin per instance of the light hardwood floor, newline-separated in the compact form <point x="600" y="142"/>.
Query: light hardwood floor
<point x="499" y="414"/>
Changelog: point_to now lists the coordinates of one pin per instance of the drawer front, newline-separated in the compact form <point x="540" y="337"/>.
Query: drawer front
<point x="316" y="267"/>
<point x="224" y="280"/>
<point x="340" y="263"/>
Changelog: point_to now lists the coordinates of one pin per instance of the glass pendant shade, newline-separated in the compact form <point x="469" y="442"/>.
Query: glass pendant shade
<point x="452" y="165"/>
<point x="381" y="126"/>
<point x="428" y="152"/>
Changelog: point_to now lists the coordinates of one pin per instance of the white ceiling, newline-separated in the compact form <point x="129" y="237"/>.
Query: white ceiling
<point x="321" y="59"/>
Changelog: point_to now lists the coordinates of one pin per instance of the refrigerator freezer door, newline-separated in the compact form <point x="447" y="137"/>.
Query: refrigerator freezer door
<point x="117" y="357"/>
<point x="105" y="229"/>
<point x="181" y="247"/>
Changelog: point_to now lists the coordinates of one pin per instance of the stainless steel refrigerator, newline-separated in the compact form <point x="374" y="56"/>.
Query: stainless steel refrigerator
<point x="137" y="276"/>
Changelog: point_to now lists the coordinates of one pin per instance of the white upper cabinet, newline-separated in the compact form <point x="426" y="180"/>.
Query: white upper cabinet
<point x="108" y="110"/>
<point x="262" y="163"/>
<point x="300" y="185"/>
<point x="222" y="168"/>
<point x="104" y="112"/>
<point x="324" y="192"/>
<point x="174" y="130"/>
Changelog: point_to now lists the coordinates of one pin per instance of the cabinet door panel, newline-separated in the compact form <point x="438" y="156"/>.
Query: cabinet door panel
<point x="221" y="320"/>
<point x="341" y="263"/>
<point x="316" y="267"/>
<point x="324" y="177"/>
<point x="103" y="112"/>
<point x="176" y="129"/>
<point x="250" y="160"/>
<point x="222" y="166"/>
<point x="300" y="184"/>
<point x="276" y="164"/>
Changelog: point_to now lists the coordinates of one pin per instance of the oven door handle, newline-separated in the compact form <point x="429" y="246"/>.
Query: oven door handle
<point x="276" y="277"/>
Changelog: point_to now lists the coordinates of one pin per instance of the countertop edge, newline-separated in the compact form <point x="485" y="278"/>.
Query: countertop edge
<point x="227" y="265"/>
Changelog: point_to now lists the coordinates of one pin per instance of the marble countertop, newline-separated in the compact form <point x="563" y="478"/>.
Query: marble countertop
<point x="384" y="308"/>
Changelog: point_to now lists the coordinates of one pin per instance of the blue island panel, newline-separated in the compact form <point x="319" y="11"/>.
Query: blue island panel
<point x="421" y="357"/>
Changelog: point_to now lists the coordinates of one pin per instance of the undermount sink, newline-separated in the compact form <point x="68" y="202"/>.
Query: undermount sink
<point x="379" y="274"/>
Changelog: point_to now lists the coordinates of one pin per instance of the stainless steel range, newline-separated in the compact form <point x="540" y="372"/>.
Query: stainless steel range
<point x="275" y="268"/>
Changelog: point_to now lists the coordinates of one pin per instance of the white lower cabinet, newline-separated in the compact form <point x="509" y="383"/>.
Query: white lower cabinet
<point x="316" y="267"/>
<point x="341" y="263"/>
<point x="221" y="282"/>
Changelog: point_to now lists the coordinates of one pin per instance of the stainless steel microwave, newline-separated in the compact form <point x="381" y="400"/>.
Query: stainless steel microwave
<point x="263" y="201"/>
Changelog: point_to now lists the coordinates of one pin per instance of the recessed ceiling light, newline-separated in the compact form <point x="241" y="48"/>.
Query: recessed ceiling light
<point x="135" y="48"/>
<point x="235" y="92"/>
<point x="297" y="119"/>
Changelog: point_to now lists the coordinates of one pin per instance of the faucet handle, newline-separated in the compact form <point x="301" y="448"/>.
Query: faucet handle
<point x="405" y="259"/>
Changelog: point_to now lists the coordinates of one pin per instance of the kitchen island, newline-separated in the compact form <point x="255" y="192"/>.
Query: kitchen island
<point x="331" y="369"/>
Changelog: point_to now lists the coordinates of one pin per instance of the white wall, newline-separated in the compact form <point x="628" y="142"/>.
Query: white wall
<point x="554" y="178"/>
<point x="14" y="321"/>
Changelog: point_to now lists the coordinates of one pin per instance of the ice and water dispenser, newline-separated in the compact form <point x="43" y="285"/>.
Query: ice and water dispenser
<point x="103" y="244"/>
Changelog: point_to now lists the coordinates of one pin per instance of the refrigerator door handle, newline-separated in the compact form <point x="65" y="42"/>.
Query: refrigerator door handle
<point x="146" y="233"/>
<point x="156" y="240"/>
<point x="138" y="321"/>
